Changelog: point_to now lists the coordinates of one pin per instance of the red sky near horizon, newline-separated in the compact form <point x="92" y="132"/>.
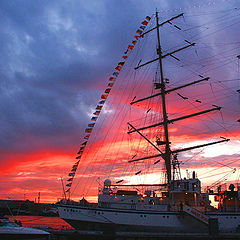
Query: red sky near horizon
<point x="57" y="67"/>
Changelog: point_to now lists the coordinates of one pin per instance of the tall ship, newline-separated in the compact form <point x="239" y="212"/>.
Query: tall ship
<point x="176" y="204"/>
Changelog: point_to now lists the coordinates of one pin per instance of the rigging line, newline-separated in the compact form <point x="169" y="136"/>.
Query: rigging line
<point x="221" y="179"/>
<point x="194" y="155"/>
<point x="119" y="147"/>
<point x="178" y="33"/>
<point x="227" y="80"/>
<point x="194" y="7"/>
<point x="144" y="40"/>
<point x="237" y="177"/>
<point x="217" y="175"/>
<point x="130" y="167"/>
<point x="93" y="165"/>
<point x="211" y="13"/>
<point x="87" y="168"/>
<point x="212" y="90"/>
<point x="210" y="118"/>
<point x="141" y="139"/>
<point x="218" y="19"/>
<point x="130" y="108"/>
<point x="228" y="89"/>
<point x="229" y="58"/>
<point x="212" y="170"/>
<point x="217" y="44"/>
<point x="216" y="169"/>
<point x="144" y="76"/>
<point x="206" y="70"/>
<point x="114" y="141"/>
<point x="220" y="53"/>
<point x="227" y="165"/>
<point x="193" y="38"/>
<point x="147" y="170"/>
<point x="210" y="67"/>
<point x="95" y="138"/>
<point x="214" y="23"/>
<point x="131" y="137"/>
<point x="221" y="29"/>
<point x="222" y="118"/>
<point x="220" y="93"/>
<point x="204" y="59"/>
<point x="218" y="97"/>
<point x="99" y="166"/>
<point x="217" y="67"/>
<point x="238" y="73"/>
<point x="197" y="107"/>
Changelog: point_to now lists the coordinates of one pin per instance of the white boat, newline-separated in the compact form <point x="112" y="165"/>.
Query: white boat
<point x="128" y="211"/>
<point x="10" y="230"/>
<point x="178" y="205"/>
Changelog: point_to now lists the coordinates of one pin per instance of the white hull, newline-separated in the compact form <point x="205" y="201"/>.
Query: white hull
<point x="10" y="232"/>
<point x="99" y="218"/>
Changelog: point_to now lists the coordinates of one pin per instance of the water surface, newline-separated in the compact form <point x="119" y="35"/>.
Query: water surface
<point x="41" y="222"/>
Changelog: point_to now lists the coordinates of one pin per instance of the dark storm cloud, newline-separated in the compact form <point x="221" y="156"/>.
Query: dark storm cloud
<point x="56" y="57"/>
<point x="53" y="55"/>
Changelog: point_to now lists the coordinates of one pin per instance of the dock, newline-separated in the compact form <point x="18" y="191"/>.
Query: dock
<point x="100" y="235"/>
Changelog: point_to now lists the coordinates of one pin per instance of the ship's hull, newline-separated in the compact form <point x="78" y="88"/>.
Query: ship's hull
<point x="18" y="233"/>
<point x="101" y="219"/>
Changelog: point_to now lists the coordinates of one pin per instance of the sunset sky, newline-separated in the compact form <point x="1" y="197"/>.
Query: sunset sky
<point x="56" y="59"/>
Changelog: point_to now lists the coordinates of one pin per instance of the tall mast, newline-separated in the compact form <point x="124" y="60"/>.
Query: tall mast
<point x="167" y="154"/>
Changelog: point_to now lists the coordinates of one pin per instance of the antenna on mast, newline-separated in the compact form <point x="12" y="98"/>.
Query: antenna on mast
<point x="64" y="193"/>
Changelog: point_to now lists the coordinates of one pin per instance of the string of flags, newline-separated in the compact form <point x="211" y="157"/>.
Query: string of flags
<point x="101" y="102"/>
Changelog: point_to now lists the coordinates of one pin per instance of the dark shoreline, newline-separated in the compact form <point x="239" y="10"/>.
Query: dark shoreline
<point x="27" y="208"/>
<point x="94" y="235"/>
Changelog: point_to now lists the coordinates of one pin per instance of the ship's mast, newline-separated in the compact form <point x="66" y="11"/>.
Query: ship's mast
<point x="167" y="154"/>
